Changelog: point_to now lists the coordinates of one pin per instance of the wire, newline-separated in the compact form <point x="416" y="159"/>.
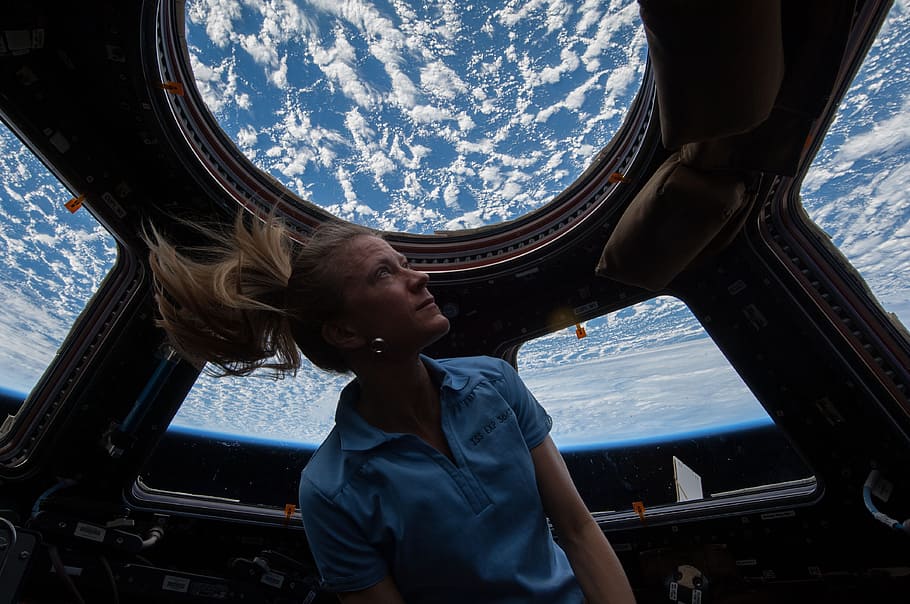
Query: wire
<point x="65" y="482"/>
<point x="871" y="481"/>
<point x="110" y="575"/>
<point x="154" y="535"/>
<point x="13" y="537"/>
<point x="61" y="571"/>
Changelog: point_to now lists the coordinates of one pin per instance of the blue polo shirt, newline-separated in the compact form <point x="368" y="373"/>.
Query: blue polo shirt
<point x="376" y="503"/>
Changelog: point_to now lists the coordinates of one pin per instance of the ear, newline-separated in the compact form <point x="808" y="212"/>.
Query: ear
<point x="342" y="336"/>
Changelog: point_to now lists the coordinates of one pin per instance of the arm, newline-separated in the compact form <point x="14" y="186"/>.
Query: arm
<point x="596" y="566"/>
<point x="384" y="592"/>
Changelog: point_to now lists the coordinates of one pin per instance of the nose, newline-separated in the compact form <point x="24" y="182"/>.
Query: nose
<point x="419" y="279"/>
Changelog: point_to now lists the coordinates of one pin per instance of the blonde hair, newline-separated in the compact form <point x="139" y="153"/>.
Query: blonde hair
<point x="251" y="298"/>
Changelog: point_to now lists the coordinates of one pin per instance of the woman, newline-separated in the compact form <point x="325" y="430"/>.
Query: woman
<point x="436" y="483"/>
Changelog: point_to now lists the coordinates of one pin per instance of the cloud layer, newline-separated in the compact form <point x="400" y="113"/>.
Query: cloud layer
<point x="419" y="117"/>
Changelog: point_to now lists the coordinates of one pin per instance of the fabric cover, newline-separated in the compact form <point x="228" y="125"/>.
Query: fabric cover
<point x="718" y="65"/>
<point x="680" y="213"/>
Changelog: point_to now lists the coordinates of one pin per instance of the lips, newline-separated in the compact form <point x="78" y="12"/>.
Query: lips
<point x="427" y="302"/>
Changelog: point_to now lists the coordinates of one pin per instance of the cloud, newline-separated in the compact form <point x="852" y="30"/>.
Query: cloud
<point x="450" y="194"/>
<point x="217" y="83"/>
<point x="372" y="155"/>
<point x="218" y="16"/>
<point x="608" y="28"/>
<point x="425" y="114"/>
<point x="551" y="75"/>
<point x="556" y="13"/>
<point x="247" y="137"/>
<point x="430" y="102"/>
<point x="468" y="220"/>
<point x="337" y="64"/>
<point x="279" y="77"/>
<point x="440" y="80"/>
<point x="886" y="138"/>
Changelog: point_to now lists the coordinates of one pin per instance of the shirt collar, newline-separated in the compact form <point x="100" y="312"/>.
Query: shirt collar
<point x="359" y="435"/>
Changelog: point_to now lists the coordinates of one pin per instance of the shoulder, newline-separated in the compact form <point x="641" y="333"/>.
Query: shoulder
<point x="477" y="368"/>
<point x="329" y="469"/>
<point x="472" y="375"/>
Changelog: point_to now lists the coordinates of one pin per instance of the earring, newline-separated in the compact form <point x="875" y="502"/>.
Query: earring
<point x="377" y="345"/>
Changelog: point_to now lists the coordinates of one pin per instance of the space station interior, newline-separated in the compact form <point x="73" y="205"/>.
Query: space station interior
<point x="696" y="198"/>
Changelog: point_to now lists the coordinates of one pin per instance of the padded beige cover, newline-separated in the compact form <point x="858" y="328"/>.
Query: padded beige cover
<point x="678" y="214"/>
<point x="718" y="65"/>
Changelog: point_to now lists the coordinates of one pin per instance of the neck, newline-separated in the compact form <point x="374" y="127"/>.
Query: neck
<point x="398" y="397"/>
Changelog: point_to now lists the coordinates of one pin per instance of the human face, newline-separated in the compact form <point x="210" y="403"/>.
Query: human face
<point x="385" y="298"/>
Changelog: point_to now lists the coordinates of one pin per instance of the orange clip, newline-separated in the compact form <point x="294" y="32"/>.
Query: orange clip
<point x="172" y="87"/>
<point x="289" y="509"/>
<point x="639" y="508"/>
<point x="808" y="142"/>
<point x="580" y="331"/>
<point x="75" y="203"/>
<point x="617" y="177"/>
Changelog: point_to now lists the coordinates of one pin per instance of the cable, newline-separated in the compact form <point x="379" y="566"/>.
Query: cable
<point x="65" y="482"/>
<point x="13" y="537"/>
<point x="154" y="535"/>
<point x="113" y="580"/>
<point x="871" y="481"/>
<point x="61" y="571"/>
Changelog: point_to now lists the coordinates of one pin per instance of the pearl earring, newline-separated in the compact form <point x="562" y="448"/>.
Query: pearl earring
<point x="377" y="345"/>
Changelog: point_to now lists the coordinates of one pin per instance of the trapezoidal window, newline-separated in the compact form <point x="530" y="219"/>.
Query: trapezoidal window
<point x="52" y="262"/>
<point x="645" y="408"/>
<point x="856" y="187"/>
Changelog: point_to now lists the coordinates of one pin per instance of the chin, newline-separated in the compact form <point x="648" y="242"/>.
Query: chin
<point x="441" y="331"/>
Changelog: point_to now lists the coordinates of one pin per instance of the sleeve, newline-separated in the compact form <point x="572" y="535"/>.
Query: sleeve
<point x="533" y="420"/>
<point x="346" y="561"/>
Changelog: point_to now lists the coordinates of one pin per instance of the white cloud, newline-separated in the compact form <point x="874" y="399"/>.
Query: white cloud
<point x="607" y="27"/>
<point x="262" y="50"/>
<point x="429" y="106"/>
<point x="218" y="17"/>
<point x="468" y="220"/>
<point x="344" y="179"/>
<point x="465" y="122"/>
<point x="551" y="75"/>
<point x="886" y="138"/>
<point x="279" y="77"/>
<point x="590" y="15"/>
<point x="247" y="136"/>
<point x="412" y="157"/>
<point x="482" y="147"/>
<point x="441" y="81"/>
<point x="337" y="64"/>
<point x="450" y="194"/>
<point x="412" y="187"/>
<point x="217" y="83"/>
<point x="556" y="11"/>
<point x="404" y="93"/>
<point x="491" y="176"/>
<point x="372" y="156"/>
<point x="425" y="114"/>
